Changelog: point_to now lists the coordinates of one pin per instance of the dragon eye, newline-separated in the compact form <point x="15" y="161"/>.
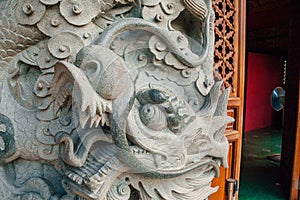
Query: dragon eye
<point x="153" y="117"/>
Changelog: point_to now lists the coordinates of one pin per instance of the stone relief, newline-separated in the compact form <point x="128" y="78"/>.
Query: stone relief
<point x="109" y="100"/>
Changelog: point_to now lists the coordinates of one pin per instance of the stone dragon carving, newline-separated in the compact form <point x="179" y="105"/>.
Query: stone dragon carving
<point x="109" y="99"/>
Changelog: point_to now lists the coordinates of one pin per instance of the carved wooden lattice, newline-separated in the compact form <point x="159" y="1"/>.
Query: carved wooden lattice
<point x="224" y="42"/>
<point x="229" y="58"/>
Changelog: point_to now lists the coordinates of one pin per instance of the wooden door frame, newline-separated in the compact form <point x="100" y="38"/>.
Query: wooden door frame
<point x="235" y="39"/>
<point x="295" y="185"/>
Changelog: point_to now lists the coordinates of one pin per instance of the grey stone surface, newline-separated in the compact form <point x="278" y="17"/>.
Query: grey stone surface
<point x="109" y="100"/>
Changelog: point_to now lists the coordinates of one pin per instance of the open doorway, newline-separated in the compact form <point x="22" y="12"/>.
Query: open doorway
<point x="267" y="50"/>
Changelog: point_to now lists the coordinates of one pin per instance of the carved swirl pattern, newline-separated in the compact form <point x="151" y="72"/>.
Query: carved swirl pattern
<point x="114" y="96"/>
<point x="225" y="56"/>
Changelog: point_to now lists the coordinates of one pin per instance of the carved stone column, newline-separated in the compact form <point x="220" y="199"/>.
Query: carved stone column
<point x="109" y="99"/>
